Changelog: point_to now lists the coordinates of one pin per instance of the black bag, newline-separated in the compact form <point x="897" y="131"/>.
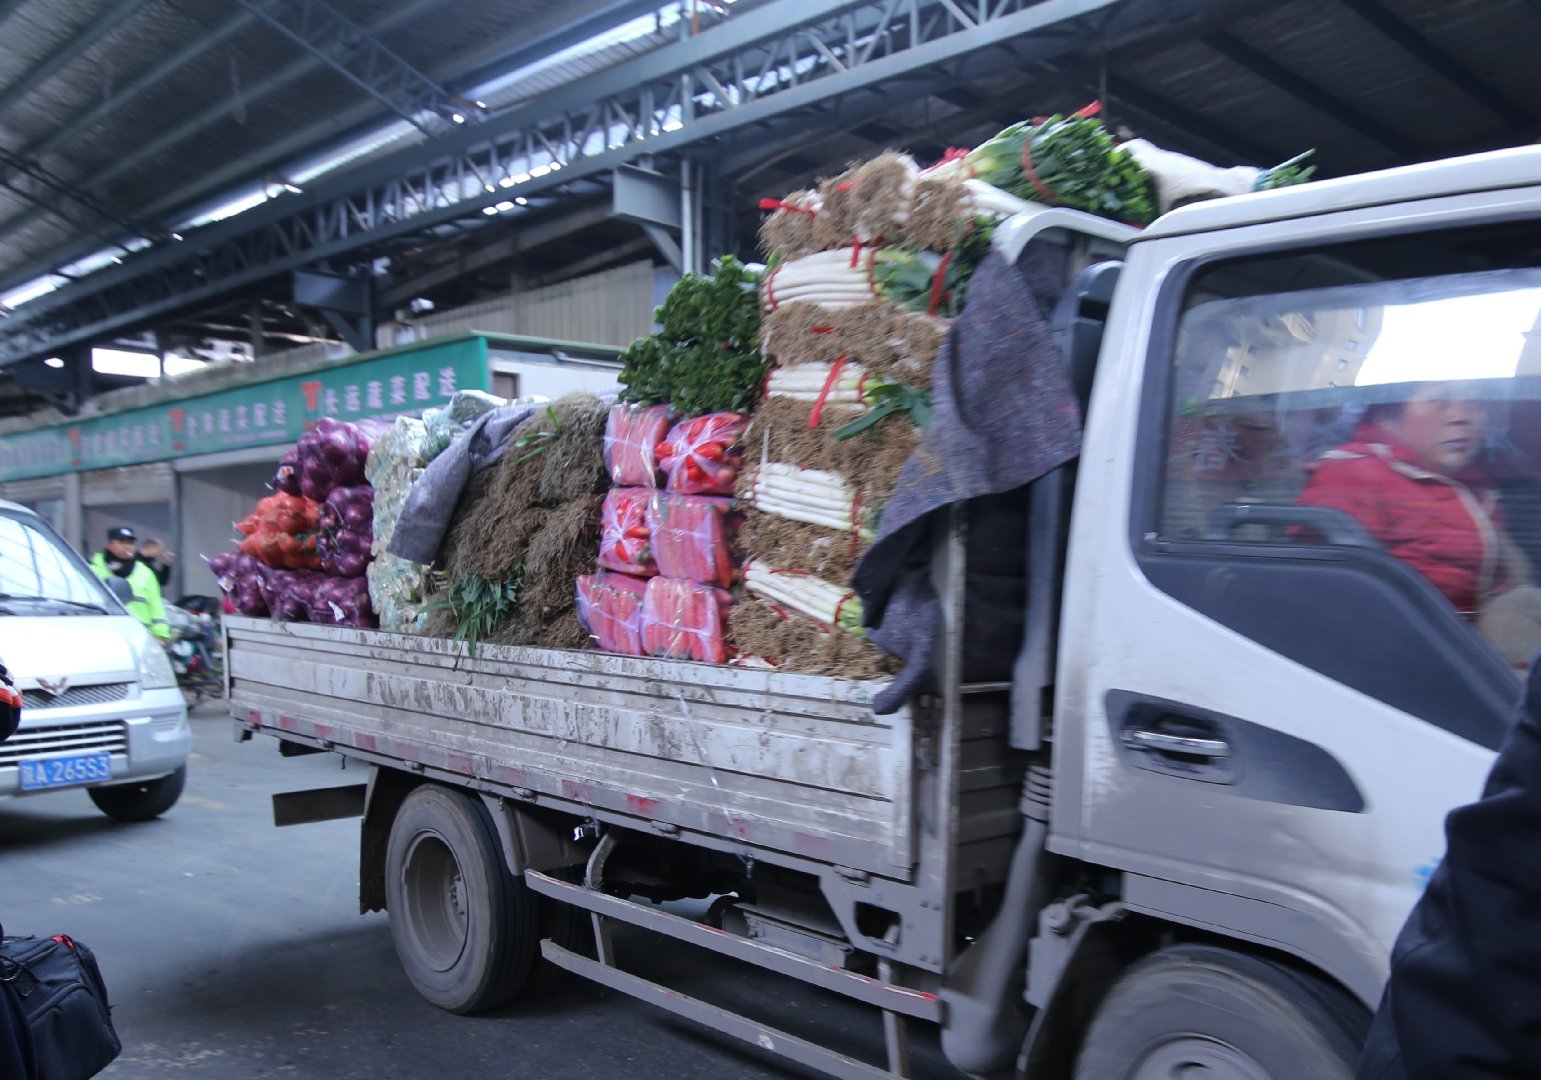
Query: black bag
<point x="58" y="989"/>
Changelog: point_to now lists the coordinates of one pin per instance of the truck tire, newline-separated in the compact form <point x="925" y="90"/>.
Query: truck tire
<point x="141" y="800"/>
<point x="1197" y="1009"/>
<point x="466" y="931"/>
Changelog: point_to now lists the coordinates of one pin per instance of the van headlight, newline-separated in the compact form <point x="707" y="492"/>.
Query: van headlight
<point x="155" y="671"/>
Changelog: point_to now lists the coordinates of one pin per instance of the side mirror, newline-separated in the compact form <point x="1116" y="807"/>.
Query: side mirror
<point x="119" y="587"/>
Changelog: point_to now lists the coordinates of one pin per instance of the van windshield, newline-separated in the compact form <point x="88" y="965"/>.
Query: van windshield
<point x="35" y="570"/>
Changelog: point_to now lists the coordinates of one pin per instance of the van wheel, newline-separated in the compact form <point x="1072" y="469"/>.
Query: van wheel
<point x="466" y="931"/>
<point x="1198" y="1010"/>
<point x="140" y="801"/>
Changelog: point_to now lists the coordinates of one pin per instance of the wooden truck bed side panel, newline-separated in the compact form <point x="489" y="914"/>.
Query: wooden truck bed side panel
<point x="795" y="763"/>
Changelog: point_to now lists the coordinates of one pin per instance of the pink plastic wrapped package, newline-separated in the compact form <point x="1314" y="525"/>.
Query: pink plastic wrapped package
<point x="632" y="435"/>
<point x="624" y="541"/>
<point x="610" y="608"/>
<point x="701" y="456"/>
<point x="690" y="537"/>
<point x="682" y="620"/>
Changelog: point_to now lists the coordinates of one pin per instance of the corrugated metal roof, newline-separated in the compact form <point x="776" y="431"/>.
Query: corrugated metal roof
<point x="253" y="91"/>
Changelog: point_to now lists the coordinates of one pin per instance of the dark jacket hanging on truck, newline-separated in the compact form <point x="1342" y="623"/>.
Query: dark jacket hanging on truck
<point x="1464" y="997"/>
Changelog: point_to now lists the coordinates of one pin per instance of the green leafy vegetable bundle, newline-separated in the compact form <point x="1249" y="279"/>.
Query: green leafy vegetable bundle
<point x="706" y="355"/>
<point x="1067" y="161"/>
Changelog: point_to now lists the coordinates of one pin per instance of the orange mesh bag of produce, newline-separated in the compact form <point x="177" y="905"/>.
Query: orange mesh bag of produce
<point x="281" y="532"/>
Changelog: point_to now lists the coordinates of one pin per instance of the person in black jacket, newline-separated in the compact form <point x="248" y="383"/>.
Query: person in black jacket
<point x="1464" y="998"/>
<point x="15" y="1050"/>
<point x="153" y="554"/>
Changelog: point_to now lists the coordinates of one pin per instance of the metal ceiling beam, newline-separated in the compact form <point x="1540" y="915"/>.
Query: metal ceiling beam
<point x="1440" y="62"/>
<point x="512" y="52"/>
<point x="67" y="52"/>
<point x="526" y="238"/>
<point x="362" y="59"/>
<point x="21" y="168"/>
<point x="1270" y="70"/>
<point x="774" y="60"/>
<point x="166" y="140"/>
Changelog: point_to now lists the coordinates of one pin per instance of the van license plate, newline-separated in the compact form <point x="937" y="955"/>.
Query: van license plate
<point x="65" y="771"/>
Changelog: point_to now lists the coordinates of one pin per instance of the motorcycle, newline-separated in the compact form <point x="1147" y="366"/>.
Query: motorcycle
<point x="193" y="650"/>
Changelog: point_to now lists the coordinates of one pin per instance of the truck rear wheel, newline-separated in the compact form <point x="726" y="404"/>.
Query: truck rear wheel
<point x="466" y="931"/>
<point x="1200" y="1010"/>
<point x="140" y="800"/>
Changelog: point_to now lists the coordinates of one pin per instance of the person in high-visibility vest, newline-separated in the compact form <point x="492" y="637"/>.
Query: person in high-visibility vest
<point x="120" y="559"/>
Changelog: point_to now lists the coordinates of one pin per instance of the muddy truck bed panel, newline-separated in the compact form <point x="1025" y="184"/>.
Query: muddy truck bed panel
<point x="791" y="763"/>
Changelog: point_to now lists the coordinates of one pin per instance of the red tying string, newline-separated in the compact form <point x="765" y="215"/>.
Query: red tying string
<point x="770" y="286"/>
<point x="823" y="329"/>
<point x="829" y="384"/>
<point x="765" y="382"/>
<point x="1032" y="177"/>
<point x="792" y="573"/>
<point x="951" y="154"/>
<point x="779" y="610"/>
<point x="777" y="204"/>
<point x="845" y="185"/>
<point x="938" y="281"/>
<point x="855" y="252"/>
<point x="1091" y="108"/>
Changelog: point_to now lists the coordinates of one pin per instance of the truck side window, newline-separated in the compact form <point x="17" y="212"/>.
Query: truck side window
<point x="1333" y="398"/>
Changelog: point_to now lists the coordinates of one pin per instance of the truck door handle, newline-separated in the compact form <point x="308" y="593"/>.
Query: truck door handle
<point x="1164" y="742"/>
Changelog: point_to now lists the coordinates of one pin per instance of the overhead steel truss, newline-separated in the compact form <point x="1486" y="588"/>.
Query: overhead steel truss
<point x="767" y="64"/>
<point x="361" y="58"/>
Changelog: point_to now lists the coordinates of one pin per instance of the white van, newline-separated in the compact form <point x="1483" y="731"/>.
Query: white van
<point x="101" y="705"/>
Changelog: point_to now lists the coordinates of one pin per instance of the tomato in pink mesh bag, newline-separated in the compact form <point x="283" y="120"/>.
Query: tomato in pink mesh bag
<point x="690" y="536"/>
<point x="610" y="608"/>
<point x="632" y="435"/>
<point x="624" y="541"/>
<point x="682" y="620"/>
<point x="701" y="456"/>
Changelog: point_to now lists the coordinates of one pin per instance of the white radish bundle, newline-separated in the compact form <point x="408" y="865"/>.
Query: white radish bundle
<point x="831" y="605"/>
<point x="837" y="278"/>
<point x="835" y="383"/>
<point x="811" y="496"/>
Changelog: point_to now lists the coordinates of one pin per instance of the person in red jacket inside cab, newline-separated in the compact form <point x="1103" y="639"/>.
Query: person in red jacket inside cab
<point x="1410" y="477"/>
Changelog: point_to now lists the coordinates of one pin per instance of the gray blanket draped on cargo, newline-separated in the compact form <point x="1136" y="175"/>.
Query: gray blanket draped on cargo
<point x="1004" y="414"/>
<point x="426" y="517"/>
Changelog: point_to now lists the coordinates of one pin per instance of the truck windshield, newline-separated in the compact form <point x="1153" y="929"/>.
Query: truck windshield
<point x="1359" y="405"/>
<point x="35" y="571"/>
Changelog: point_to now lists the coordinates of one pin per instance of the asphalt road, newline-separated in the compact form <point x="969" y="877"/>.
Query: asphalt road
<point x="234" y="950"/>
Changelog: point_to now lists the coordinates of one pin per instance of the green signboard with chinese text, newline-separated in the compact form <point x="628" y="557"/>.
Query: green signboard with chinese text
<point x="272" y="413"/>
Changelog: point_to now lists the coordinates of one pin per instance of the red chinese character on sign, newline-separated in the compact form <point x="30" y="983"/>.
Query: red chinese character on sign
<point x="312" y="392"/>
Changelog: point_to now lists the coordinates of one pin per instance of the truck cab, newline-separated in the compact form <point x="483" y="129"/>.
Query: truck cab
<point x="1299" y="579"/>
<point x="101" y="708"/>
